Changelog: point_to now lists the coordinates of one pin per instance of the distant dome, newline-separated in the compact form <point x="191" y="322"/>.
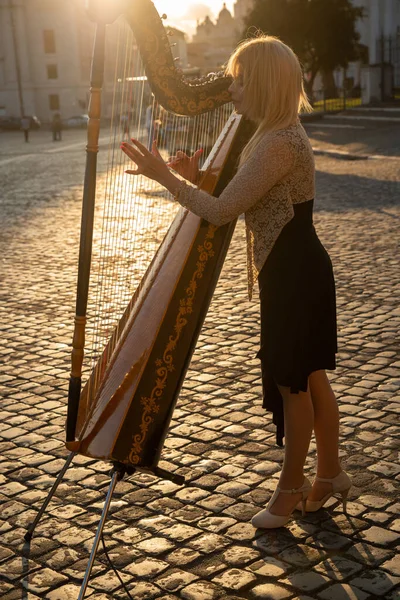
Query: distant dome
<point x="224" y="14"/>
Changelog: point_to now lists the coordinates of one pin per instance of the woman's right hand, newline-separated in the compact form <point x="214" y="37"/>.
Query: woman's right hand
<point x="187" y="166"/>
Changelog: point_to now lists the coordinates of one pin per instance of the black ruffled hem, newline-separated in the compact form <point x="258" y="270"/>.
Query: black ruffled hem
<point x="272" y="399"/>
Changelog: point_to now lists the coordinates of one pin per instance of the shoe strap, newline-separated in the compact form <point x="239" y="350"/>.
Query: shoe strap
<point x="341" y="474"/>
<point x="306" y="486"/>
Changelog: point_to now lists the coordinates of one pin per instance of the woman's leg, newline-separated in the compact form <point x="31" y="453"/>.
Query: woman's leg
<point x="299" y="417"/>
<point x="326" y="427"/>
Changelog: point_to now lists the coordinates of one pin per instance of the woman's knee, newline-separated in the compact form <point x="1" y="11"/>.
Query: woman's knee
<point x="298" y="397"/>
<point x="318" y="382"/>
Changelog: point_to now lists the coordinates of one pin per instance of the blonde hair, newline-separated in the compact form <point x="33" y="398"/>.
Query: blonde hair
<point x="273" y="85"/>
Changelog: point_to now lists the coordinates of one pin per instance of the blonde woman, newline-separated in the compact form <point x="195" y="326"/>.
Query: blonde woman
<point x="274" y="188"/>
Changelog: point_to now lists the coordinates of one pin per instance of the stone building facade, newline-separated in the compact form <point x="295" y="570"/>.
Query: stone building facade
<point x="382" y="18"/>
<point x="45" y="59"/>
<point x="45" y="55"/>
<point x="379" y="31"/>
<point x="381" y="22"/>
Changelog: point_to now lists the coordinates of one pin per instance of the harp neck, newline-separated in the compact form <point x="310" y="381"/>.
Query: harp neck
<point x="168" y="84"/>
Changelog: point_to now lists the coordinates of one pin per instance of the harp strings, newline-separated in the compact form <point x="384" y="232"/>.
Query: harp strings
<point x="132" y="213"/>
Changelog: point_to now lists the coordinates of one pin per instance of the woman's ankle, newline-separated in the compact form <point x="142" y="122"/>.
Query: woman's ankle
<point x="329" y="472"/>
<point x="288" y="482"/>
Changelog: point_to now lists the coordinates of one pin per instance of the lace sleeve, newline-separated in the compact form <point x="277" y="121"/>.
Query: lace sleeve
<point x="271" y="161"/>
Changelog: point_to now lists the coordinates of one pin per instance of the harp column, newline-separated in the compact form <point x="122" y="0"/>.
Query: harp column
<point x="102" y="13"/>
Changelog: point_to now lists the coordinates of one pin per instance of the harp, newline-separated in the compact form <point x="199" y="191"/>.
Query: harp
<point x="123" y="410"/>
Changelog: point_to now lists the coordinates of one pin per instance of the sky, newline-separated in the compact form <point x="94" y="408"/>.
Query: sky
<point x="185" y="13"/>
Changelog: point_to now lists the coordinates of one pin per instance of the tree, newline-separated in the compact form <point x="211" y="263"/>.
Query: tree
<point x="321" y="32"/>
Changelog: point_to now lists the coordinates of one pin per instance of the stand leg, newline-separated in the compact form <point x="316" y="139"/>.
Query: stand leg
<point x="116" y="476"/>
<point x="31" y="528"/>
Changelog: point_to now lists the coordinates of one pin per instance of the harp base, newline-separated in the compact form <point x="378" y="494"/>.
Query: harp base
<point x="72" y="446"/>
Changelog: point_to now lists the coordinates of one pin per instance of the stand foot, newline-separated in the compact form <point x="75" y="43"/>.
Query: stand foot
<point x="32" y="526"/>
<point x="117" y="474"/>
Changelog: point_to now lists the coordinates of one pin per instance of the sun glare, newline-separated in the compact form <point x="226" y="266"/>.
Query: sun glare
<point x="171" y="8"/>
<point x="184" y="10"/>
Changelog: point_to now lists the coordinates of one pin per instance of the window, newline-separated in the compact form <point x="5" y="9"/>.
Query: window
<point x="49" y="41"/>
<point x="54" y="102"/>
<point x="52" y="72"/>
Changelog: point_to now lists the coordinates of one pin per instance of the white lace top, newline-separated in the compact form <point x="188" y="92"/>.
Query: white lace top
<point x="277" y="175"/>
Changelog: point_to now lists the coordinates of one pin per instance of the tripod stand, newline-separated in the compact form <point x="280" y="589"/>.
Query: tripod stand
<point x="119" y="470"/>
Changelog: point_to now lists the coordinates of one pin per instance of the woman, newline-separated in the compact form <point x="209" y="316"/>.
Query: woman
<point x="274" y="187"/>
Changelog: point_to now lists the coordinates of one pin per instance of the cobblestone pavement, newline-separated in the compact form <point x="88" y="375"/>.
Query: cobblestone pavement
<point x="195" y="541"/>
<point x="358" y="135"/>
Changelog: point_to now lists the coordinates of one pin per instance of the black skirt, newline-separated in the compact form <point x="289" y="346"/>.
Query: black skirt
<point x="298" y="312"/>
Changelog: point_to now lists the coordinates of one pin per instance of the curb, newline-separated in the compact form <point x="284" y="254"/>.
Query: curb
<point x="349" y="156"/>
<point x="348" y="117"/>
<point x="314" y="116"/>
<point x="342" y="155"/>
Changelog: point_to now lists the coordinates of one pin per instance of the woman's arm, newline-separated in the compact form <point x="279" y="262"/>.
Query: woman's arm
<point x="270" y="162"/>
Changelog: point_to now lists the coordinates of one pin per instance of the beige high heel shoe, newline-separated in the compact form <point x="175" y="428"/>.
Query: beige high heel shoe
<point x="341" y="484"/>
<point x="264" y="519"/>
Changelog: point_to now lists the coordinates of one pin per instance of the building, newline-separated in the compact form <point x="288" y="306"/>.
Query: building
<point x="381" y="18"/>
<point x="379" y="31"/>
<point x="213" y="43"/>
<point x="45" y="53"/>
<point x="45" y="60"/>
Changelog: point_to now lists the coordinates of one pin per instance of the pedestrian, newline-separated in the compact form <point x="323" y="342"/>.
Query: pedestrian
<point x="125" y="124"/>
<point x="25" y="126"/>
<point x="274" y="187"/>
<point x="56" y="127"/>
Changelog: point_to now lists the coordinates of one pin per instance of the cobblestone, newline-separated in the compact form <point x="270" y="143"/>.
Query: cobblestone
<point x="195" y="541"/>
<point x="269" y="591"/>
<point x="380" y="536"/>
<point x="377" y="583"/>
<point x="345" y="591"/>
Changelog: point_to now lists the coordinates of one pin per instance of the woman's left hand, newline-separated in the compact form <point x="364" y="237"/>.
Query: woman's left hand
<point x="150" y="164"/>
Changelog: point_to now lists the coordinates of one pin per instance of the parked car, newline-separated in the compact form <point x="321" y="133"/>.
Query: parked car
<point x="76" y="121"/>
<point x="14" y="123"/>
<point x="10" y="123"/>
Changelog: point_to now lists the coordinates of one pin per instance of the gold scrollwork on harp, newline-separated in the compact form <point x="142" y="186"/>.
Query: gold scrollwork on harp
<point x="165" y="366"/>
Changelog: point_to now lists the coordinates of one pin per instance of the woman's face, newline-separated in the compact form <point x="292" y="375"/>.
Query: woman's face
<point x="237" y="92"/>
